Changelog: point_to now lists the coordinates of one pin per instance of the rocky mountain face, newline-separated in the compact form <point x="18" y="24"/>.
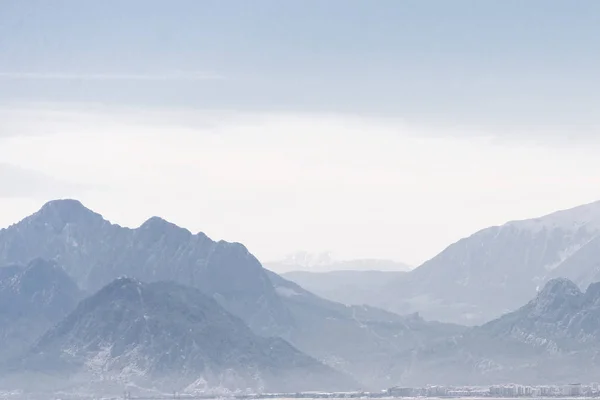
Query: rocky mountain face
<point x="170" y="337"/>
<point x="32" y="299"/>
<point x="561" y="318"/>
<point x="345" y="286"/>
<point x="365" y="342"/>
<point x="498" y="269"/>
<point x="370" y="344"/>
<point x="553" y="338"/>
<point x="94" y="252"/>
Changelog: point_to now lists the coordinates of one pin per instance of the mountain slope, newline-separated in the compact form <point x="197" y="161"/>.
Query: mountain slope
<point x="170" y="337"/>
<point x="362" y="341"/>
<point x="94" y="252"/>
<point x="372" y="345"/>
<point x="345" y="286"/>
<point x="497" y="269"/>
<point x="32" y="299"/>
<point x="555" y="338"/>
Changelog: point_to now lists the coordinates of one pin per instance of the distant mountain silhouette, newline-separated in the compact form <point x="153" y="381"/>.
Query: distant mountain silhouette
<point x="369" y="343"/>
<point x="498" y="269"/>
<point x="345" y="286"/>
<point x="172" y="337"/>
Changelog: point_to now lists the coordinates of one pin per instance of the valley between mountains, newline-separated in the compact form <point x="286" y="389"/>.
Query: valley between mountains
<point x="86" y="304"/>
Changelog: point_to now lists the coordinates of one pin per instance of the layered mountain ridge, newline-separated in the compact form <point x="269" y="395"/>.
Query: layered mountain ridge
<point x="554" y="338"/>
<point x="365" y="342"/>
<point x="170" y="337"/>
<point x="469" y="282"/>
<point x="94" y="252"/>
<point x="147" y="331"/>
<point x="345" y="286"/>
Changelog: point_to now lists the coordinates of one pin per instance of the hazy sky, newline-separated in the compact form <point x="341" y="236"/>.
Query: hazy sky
<point x="384" y="129"/>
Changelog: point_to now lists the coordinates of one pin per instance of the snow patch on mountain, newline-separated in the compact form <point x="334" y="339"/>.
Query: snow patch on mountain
<point x="564" y="254"/>
<point x="586" y="216"/>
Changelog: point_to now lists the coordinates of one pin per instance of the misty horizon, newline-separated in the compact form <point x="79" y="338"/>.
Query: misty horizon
<point x="312" y="261"/>
<point x="389" y="141"/>
<point x="225" y="199"/>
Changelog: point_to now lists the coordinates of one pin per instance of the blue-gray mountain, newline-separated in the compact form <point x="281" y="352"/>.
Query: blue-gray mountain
<point x="32" y="299"/>
<point x="555" y="338"/>
<point x="346" y="286"/>
<point x="498" y="269"/>
<point x="170" y="337"/>
<point x="94" y="252"/>
<point x="369" y="343"/>
<point x="362" y="341"/>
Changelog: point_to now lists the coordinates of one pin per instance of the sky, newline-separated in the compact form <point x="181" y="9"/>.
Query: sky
<point x="385" y="129"/>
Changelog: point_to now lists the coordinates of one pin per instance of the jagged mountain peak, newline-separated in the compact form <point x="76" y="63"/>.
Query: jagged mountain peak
<point x="559" y="296"/>
<point x="124" y="288"/>
<point x="560" y="287"/>
<point x="64" y="205"/>
<point x="160" y="224"/>
<point x="94" y="252"/>
<point x="70" y="210"/>
<point x="59" y="213"/>
<point x="168" y="334"/>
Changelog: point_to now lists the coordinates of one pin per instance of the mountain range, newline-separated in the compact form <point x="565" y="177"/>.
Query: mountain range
<point x="365" y="342"/>
<point x="496" y="270"/>
<point x="93" y="253"/>
<point x="554" y="338"/>
<point x="168" y="336"/>
<point x="85" y="303"/>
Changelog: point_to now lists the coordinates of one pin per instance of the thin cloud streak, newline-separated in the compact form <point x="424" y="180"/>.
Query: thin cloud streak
<point x="174" y="76"/>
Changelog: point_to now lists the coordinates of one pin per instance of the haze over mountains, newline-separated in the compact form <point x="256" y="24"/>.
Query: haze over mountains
<point x="469" y="281"/>
<point x="170" y="336"/>
<point x="553" y="338"/>
<point x="345" y="286"/>
<point x="193" y="314"/>
<point x="325" y="262"/>
<point x="347" y="281"/>
<point x="94" y="252"/>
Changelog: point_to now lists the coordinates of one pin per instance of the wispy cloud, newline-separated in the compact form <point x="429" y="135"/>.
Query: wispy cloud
<point x="171" y="76"/>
